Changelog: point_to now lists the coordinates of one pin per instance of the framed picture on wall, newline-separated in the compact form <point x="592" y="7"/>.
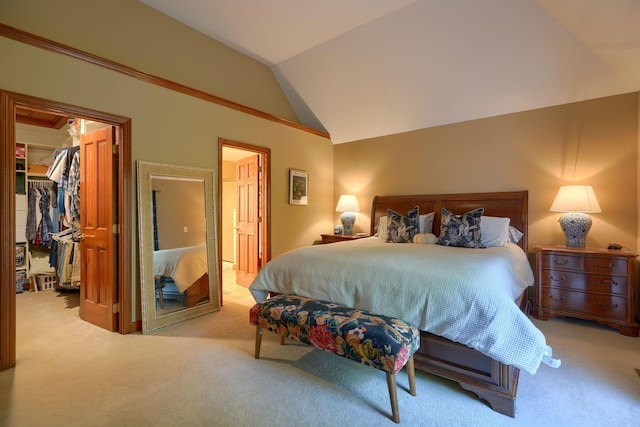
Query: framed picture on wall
<point x="298" y="187"/>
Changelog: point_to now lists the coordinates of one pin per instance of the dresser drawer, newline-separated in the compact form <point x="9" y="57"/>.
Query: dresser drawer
<point x="606" y="265"/>
<point x="610" y="306"/>
<point x="586" y="282"/>
<point x="566" y="262"/>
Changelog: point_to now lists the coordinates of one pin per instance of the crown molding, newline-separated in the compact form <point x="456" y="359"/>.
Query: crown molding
<point x="50" y="45"/>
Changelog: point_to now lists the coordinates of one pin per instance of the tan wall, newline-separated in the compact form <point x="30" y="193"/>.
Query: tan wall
<point x="593" y="142"/>
<point x="132" y="33"/>
<point x="169" y="127"/>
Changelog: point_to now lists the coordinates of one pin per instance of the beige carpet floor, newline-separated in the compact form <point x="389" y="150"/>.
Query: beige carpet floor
<point x="202" y="373"/>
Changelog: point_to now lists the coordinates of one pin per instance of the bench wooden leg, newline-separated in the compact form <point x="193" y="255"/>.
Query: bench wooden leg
<point x="258" y="342"/>
<point x="281" y="339"/>
<point x="411" y="372"/>
<point x="393" y="396"/>
<point x="393" y="393"/>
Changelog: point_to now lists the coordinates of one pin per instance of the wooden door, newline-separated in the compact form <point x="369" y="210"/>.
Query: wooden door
<point x="248" y="240"/>
<point x="98" y="204"/>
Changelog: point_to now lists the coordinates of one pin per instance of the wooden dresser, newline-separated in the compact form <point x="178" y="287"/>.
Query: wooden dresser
<point x="587" y="283"/>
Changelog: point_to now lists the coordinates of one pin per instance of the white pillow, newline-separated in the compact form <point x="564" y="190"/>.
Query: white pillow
<point x="425" y="223"/>
<point x="383" y="228"/>
<point x="515" y="235"/>
<point x="494" y="231"/>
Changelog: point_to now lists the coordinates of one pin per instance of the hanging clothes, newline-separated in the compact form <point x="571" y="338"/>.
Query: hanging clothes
<point x="66" y="258"/>
<point x="65" y="170"/>
<point x="46" y="227"/>
<point x="39" y="219"/>
<point x="65" y="266"/>
<point x="32" y="221"/>
<point x="75" y="265"/>
<point x="73" y="189"/>
<point x="57" y="165"/>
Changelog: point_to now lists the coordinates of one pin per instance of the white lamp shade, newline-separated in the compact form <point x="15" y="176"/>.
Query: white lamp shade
<point x="576" y="198"/>
<point x="347" y="203"/>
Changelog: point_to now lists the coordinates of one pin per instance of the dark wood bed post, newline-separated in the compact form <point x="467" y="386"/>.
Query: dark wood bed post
<point x="491" y="380"/>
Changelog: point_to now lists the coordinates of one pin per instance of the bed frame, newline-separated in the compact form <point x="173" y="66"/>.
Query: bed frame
<point x="492" y="381"/>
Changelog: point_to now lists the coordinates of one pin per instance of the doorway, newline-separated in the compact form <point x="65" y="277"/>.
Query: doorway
<point x="245" y="206"/>
<point x="10" y="103"/>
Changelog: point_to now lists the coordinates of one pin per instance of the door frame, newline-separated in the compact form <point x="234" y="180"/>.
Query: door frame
<point x="8" y="103"/>
<point x="265" y="210"/>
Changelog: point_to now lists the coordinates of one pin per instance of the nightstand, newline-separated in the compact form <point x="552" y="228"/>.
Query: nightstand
<point x="587" y="283"/>
<point x="333" y="238"/>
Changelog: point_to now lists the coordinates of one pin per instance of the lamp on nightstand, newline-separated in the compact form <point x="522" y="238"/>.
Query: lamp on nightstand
<point x="348" y="205"/>
<point x="576" y="201"/>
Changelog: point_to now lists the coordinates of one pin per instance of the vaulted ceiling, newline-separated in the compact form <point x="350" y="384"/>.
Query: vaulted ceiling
<point x="366" y="68"/>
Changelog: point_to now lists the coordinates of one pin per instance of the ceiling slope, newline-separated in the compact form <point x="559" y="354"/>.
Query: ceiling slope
<point x="368" y="68"/>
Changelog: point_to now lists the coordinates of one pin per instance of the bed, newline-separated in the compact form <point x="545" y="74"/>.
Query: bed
<point x="489" y="364"/>
<point x="187" y="267"/>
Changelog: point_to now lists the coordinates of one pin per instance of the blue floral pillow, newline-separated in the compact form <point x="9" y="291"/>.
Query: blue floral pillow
<point x="461" y="230"/>
<point x="402" y="228"/>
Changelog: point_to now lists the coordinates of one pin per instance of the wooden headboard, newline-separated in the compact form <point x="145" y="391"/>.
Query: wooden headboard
<point x="513" y="204"/>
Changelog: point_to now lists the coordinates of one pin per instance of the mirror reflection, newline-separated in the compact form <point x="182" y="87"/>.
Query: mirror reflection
<point x="179" y="278"/>
<point x="179" y="246"/>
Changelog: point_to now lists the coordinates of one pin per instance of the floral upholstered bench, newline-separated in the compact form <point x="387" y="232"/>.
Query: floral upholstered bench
<point x="378" y="341"/>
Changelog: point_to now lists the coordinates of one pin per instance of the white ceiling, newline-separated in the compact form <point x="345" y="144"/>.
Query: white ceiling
<point x="366" y="68"/>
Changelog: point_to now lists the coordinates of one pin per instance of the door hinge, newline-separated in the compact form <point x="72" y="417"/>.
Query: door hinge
<point x="116" y="307"/>
<point x="259" y="168"/>
<point x="115" y="228"/>
<point x="114" y="148"/>
<point x="259" y="219"/>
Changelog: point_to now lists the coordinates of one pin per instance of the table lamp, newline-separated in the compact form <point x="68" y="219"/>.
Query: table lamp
<point x="576" y="201"/>
<point x="348" y="205"/>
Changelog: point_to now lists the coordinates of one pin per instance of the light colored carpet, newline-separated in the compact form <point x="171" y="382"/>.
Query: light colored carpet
<point x="202" y="373"/>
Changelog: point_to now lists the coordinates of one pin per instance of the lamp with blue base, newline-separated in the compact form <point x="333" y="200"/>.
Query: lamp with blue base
<point x="348" y="205"/>
<point x="576" y="201"/>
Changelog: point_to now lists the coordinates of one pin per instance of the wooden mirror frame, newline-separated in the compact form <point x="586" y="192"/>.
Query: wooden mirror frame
<point x="146" y="171"/>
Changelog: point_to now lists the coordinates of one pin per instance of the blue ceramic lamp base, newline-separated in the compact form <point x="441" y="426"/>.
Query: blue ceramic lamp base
<point x="575" y="226"/>
<point x="348" y="219"/>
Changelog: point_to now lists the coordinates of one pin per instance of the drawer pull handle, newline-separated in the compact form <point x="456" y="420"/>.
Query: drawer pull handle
<point x="608" y="282"/>
<point x="609" y="266"/>
<point x="561" y="279"/>
<point x="608" y="307"/>
<point x="564" y="261"/>
<point x="556" y="299"/>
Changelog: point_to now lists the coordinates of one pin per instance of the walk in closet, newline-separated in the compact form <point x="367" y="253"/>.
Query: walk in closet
<point x="47" y="208"/>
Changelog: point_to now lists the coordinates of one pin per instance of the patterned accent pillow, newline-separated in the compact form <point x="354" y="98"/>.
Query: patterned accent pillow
<point x="461" y="230"/>
<point x="402" y="228"/>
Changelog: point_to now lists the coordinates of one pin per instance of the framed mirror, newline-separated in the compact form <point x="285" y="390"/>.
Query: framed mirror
<point x="179" y="269"/>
